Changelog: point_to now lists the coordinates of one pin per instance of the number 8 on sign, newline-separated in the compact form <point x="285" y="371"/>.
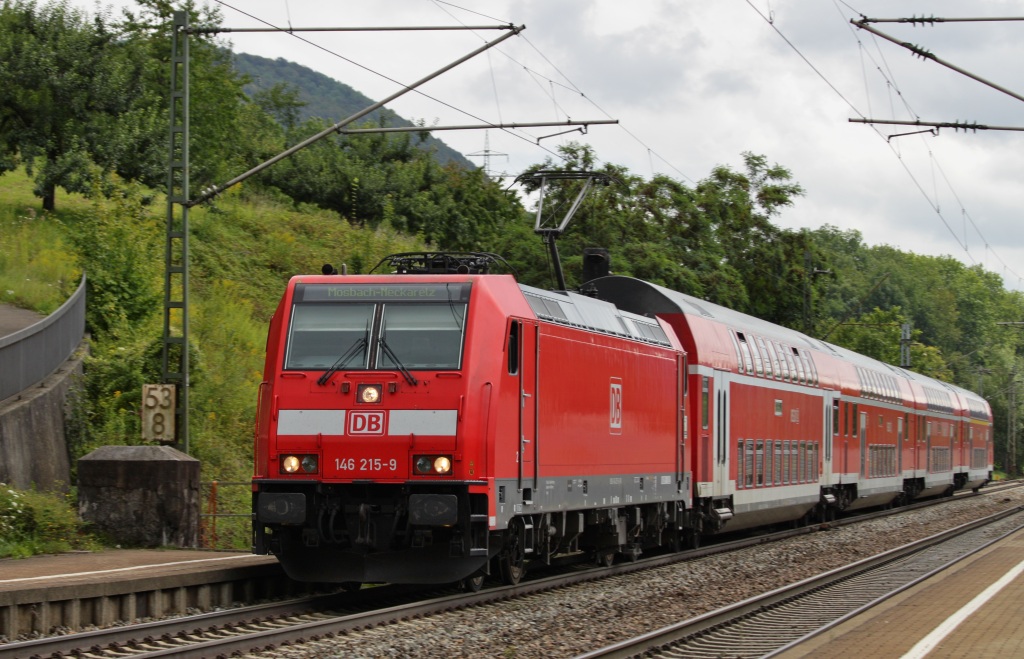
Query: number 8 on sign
<point x="158" y="413"/>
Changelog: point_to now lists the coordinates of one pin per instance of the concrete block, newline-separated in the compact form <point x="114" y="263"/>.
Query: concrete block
<point x="141" y="496"/>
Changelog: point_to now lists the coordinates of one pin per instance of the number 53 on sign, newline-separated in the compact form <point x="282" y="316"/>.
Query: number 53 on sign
<point x="158" y="413"/>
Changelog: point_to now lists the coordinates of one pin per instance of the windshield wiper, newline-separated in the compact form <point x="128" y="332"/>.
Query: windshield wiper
<point x="349" y="354"/>
<point x="394" y="358"/>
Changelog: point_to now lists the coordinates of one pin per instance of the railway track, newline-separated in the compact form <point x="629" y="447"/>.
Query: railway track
<point x="261" y="627"/>
<point x="767" y="625"/>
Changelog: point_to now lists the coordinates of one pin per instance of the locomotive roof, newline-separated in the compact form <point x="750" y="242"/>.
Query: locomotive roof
<point x="573" y="309"/>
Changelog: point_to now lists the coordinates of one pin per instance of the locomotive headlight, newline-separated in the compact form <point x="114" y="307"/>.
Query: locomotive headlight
<point x="438" y="465"/>
<point x="293" y="464"/>
<point x="442" y="464"/>
<point x="368" y="393"/>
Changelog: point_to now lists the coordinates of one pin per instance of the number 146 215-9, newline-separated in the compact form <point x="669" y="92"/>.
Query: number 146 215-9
<point x="365" y="464"/>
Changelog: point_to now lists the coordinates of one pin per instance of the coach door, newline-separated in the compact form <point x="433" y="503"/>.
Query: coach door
<point x="525" y="334"/>
<point x="864" y="445"/>
<point x="681" y="380"/>
<point x="830" y="436"/>
<point x="720" y="432"/>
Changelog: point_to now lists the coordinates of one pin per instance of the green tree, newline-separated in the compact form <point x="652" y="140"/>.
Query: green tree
<point x="282" y="102"/>
<point x="377" y="178"/>
<point x="229" y="134"/>
<point x="756" y="274"/>
<point x="72" y="97"/>
<point x="714" y="241"/>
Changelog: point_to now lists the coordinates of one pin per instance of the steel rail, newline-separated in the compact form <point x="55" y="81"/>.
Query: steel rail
<point x="673" y="639"/>
<point x="243" y="629"/>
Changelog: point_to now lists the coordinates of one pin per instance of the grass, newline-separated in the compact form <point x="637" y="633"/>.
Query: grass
<point x="38" y="269"/>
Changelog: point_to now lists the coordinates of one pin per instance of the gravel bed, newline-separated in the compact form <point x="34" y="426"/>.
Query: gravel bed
<point x="577" y="619"/>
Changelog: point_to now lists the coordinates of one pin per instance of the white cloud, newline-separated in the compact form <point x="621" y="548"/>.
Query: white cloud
<point x="701" y="82"/>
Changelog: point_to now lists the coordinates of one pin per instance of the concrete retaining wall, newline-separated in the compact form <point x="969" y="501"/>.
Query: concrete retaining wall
<point x="33" y="444"/>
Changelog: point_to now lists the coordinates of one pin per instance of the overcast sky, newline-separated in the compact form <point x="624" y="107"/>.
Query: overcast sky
<point x="695" y="83"/>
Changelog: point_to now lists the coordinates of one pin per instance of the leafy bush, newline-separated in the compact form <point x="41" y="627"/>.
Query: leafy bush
<point x="34" y="522"/>
<point x="118" y="244"/>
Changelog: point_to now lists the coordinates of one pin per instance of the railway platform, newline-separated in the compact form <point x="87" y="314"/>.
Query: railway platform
<point x="110" y="564"/>
<point x="71" y="591"/>
<point x="974" y="609"/>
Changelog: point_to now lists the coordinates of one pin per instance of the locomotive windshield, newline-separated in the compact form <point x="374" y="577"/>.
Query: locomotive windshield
<point x="377" y="326"/>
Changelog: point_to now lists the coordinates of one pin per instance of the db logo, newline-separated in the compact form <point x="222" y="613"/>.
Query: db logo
<point x="615" y="407"/>
<point x="366" y="423"/>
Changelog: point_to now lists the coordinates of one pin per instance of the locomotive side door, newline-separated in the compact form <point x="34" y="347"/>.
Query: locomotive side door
<point x="527" y="336"/>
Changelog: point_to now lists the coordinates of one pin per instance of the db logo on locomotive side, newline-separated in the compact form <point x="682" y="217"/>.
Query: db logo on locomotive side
<point x="615" y="407"/>
<point x="366" y="423"/>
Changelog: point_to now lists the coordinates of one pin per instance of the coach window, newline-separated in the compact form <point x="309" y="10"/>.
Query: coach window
<point x="745" y="351"/>
<point x="739" y="355"/>
<point x="773" y="358"/>
<point x="704" y="412"/>
<point x="765" y="357"/>
<point x="801" y="366"/>
<point x="800" y="375"/>
<point x="777" y="458"/>
<point x="759" y="464"/>
<point x="791" y="366"/>
<point x="811" y="368"/>
<point x="740" y="465"/>
<point x="835" y="417"/>
<point x="779" y="360"/>
<point x="751" y="347"/>
<point x="748" y="457"/>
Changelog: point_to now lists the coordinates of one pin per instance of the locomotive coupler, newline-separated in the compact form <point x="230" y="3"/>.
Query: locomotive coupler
<point x="366" y="532"/>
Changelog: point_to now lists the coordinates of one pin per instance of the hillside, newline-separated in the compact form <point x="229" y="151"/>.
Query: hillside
<point x="326" y="98"/>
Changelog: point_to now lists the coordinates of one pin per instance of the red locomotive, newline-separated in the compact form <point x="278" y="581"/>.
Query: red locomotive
<point x="442" y="422"/>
